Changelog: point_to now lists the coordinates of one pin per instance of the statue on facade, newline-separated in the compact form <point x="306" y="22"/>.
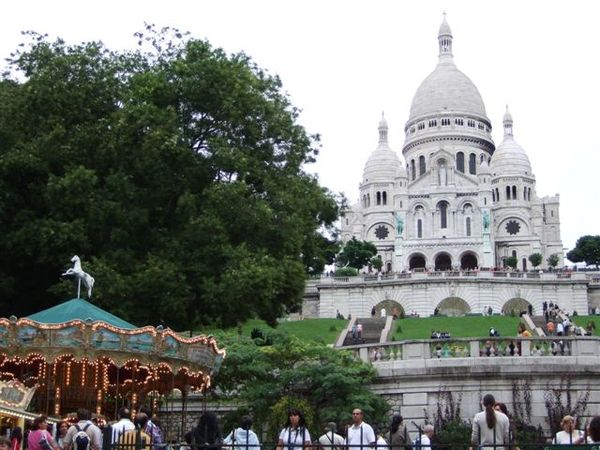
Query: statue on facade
<point x="78" y="273"/>
<point x="399" y="224"/>
<point x="442" y="172"/>
<point x="486" y="221"/>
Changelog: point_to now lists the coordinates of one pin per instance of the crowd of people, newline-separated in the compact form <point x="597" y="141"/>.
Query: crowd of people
<point x="142" y="433"/>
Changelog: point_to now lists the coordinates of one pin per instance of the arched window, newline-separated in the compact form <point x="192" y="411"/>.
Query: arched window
<point x="368" y="200"/>
<point x="443" y="214"/>
<point x="412" y="169"/>
<point x="421" y="165"/>
<point x="514" y="192"/>
<point x="384" y="198"/>
<point x="481" y="157"/>
<point x="493" y="195"/>
<point x="472" y="165"/>
<point x="497" y="195"/>
<point x="524" y="193"/>
<point x="460" y="162"/>
<point x="514" y="253"/>
<point x="529" y="194"/>
<point x="507" y="192"/>
<point x="364" y="201"/>
<point x="378" y="198"/>
<point x="419" y="228"/>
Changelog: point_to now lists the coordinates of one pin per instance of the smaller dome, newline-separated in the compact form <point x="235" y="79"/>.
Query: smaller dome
<point x="383" y="163"/>
<point x="510" y="158"/>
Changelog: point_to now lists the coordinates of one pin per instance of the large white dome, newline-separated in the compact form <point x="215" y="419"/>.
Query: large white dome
<point x="447" y="89"/>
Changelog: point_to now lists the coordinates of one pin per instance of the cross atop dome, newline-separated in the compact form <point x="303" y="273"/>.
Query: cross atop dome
<point x="445" y="39"/>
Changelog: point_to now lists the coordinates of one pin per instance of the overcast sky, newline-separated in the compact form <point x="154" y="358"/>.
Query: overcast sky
<point x="344" y="62"/>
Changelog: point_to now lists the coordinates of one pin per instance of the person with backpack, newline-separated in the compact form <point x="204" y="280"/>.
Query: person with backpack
<point x="84" y="435"/>
<point x="124" y="424"/>
<point x="152" y="429"/>
<point x="40" y="438"/>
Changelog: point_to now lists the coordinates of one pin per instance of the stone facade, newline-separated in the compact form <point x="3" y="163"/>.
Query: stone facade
<point x="456" y="201"/>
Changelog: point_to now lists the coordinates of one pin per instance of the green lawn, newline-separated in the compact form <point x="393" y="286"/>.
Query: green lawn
<point x="421" y="328"/>
<point x="328" y="330"/>
<point x="323" y="330"/>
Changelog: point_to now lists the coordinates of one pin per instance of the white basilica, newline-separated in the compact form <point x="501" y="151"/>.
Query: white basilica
<point x="458" y="201"/>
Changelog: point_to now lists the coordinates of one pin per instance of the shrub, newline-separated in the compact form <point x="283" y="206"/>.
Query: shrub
<point x="346" y="272"/>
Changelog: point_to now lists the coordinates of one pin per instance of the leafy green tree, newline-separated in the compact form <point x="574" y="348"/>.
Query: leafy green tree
<point x="553" y="260"/>
<point x="512" y="261"/>
<point x="536" y="259"/>
<point x="587" y="249"/>
<point x="326" y="383"/>
<point x="376" y="263"/>
<point x="176" y="172"/>
<point x="356" y="254"/>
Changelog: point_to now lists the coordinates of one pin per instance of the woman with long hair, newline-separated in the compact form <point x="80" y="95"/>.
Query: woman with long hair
<point x="61" y="432"/>
<point x="499" y="406"/>
<point x="295" y="435"/>
<point x="40" y="438"/>
<point x="491" y="428"/>
<point x="399" y="438"/>
<point x="207" y="434"/>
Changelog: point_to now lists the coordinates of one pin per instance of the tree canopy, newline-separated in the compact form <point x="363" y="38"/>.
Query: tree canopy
<point x="176" y="172"/>
<point x="356" y="254"/>
<point x="587" y="249"/>
<point x="274" y="372"/>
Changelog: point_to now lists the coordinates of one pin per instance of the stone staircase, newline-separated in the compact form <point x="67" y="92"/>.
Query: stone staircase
<point x="371" y="332"/>
<point x="535" y="324"/>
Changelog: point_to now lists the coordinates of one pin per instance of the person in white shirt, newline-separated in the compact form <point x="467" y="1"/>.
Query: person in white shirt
<point x="122" y="426"/>
<point x="360" y="434"/>
<point x="491" y="429"/>
<point x="569" y="435"/>
<point x="331" y="440"/>
<point x="295" y="435"/>
<point x="424" y="441"/>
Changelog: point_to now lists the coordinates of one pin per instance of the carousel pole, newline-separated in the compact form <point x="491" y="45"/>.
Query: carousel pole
<point x="78" y="287"/>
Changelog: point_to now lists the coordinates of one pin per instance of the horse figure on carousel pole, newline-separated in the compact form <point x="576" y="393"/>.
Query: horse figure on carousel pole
<point x="78" y="272"/>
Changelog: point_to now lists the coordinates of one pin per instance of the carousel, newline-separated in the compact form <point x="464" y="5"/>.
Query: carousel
<point x="76" y="355"/>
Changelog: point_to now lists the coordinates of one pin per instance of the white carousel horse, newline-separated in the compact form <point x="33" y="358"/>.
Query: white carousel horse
<point x="78" y="273"/>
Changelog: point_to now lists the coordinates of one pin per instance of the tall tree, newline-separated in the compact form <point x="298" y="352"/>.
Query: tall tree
<point x="587" y="249"/>
<point x="175" y="171"/>
<point x="286" y="371"/>
<point x="356" y="254"/>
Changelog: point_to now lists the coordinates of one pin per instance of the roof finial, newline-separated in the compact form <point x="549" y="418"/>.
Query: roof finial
<point x="445" y="38"/>
<point x="508" y="123"/>
<point x="383" y="129"/>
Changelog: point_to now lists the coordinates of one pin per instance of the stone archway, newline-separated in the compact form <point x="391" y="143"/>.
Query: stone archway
<point x="443" y="261"/>
<point x="515" y="306"/>
<point x="416" y="261"/>
<point x="391" y="307"/>
<point x="453" y="307"/>
<point x="468" y="261"/>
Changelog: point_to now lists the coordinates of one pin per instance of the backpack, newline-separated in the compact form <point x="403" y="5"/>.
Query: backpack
<point x="44" y="443"/>
<point x="81" y="438"/>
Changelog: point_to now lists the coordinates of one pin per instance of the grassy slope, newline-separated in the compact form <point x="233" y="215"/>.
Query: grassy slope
<point x="327" y="330"/>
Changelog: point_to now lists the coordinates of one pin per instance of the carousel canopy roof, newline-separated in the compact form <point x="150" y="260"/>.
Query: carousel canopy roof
<point x="78" y="308"/>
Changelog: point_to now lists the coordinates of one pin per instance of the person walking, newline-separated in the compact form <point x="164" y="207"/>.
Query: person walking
<point x="295" y="435"/>
<point x="490" y="429"/>
<point x="360" y="434"/>
<point x="85" y="424"/>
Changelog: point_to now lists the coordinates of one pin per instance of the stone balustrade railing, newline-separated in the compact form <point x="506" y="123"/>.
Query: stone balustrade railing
<point x="453" y="274"/>
<point x="432" y="349"/>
